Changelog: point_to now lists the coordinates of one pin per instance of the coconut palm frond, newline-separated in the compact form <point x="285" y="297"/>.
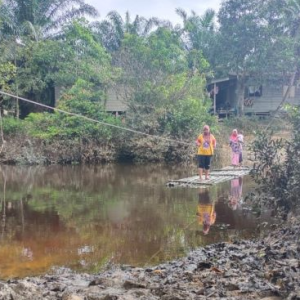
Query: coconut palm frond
<point x="43" y="16"/>
<point x="115" y="18"/>
<point x="194" y="14"/>
<point x="105" y="32"/>
<point x="136" y="25"/>
<point x="29" y="28"/>
<point x="182" y="13"/>
<point x="166" y="24"/>
<point x="152" y="22"/>
<point x="70" y="15"/>
<point x="117" y="21"/>
<point x="8" y="22"/>
<point x="207" y="19"/>
<point x="52" y="10"/>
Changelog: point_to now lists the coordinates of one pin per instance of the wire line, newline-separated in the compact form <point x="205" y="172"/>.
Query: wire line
<point x="93" y="120"/>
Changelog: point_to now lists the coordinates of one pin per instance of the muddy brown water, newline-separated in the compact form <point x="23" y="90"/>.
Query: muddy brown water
<point x="84" y="217"/>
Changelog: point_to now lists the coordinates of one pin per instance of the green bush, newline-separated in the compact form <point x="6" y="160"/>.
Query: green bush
<point x="177" y="107"/>
<point x="81" y="99"/>
<point x="13" y="126"/>
<point x="43" y="125"/>
<point x="187" y="117"/>
<point x="277" y="166"/>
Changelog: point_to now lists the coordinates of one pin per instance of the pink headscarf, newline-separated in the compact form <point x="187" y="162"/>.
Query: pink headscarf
<point x="206" y="135"/>
<point x="234" y="135"/>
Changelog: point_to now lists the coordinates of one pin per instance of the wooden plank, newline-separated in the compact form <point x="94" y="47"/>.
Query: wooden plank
<point x="216" y="176"/>
<point x="231" y="174"/>
<point x="229" y="168"/>
<point x="213" y="180"/>
<point x="180" y="181"/>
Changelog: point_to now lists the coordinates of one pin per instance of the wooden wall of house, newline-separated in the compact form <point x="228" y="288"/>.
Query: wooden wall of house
<point x="114" y="103"/>
<point x="271" y="98"/>
<point x="58" y="90"/>
<point x="116" y="100"/>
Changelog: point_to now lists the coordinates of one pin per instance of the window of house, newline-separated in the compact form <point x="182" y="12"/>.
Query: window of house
<point x="255" y="91"/>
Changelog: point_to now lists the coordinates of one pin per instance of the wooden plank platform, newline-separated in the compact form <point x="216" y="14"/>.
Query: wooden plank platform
<point x="216" y="176"/>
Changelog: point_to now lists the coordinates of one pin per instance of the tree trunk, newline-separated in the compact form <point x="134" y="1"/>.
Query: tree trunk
<point x="17" y="107"/>
<point x="240" y="94"/>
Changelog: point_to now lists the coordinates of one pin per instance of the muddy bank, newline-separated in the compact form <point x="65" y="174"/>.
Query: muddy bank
<point x="26" y="150"/>
<point x="257" y="269"/>
<point x="31" y="151"/>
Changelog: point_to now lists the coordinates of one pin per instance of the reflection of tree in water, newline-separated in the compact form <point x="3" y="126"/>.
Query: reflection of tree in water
<point x="3" y="208"/>
<point x="140" y="233"/>
<point x="82" y="216"/>
<point x="57" y="210"/>
<point x="68" y="187"/>
<point x="91" y="178"/>
<point x="35" y="242"/>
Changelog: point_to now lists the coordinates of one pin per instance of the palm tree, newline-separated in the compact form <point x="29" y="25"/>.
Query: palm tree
<point x="113" y="30"/>
<point x="198" y="29"/>
<point x="40" y="18"/>
<point x="199" y="36"/>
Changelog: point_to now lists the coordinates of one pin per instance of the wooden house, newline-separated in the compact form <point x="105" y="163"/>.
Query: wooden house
<point x="115" y="100"/>
<point x="259" y="99"/>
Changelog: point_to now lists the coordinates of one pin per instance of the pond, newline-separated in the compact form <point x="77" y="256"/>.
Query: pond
<point x="84" y="217"/>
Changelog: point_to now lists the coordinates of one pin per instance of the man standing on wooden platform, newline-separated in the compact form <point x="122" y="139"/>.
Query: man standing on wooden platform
<point x="206" y="143"/>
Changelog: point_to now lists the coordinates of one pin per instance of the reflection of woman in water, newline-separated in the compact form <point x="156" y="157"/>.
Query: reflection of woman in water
<point x="235" y="192"/>
<point x="206" y="211"/>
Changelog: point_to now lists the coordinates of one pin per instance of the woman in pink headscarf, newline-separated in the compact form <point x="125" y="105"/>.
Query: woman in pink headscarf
<point x="235" y="148"/>
<point x="206" y="143"/>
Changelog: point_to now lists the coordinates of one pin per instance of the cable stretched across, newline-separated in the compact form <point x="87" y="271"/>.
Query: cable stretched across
<point x="93" y="120"/>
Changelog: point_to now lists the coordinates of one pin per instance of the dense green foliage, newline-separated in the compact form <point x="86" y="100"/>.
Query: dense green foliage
<point x="13" y="126"/>
<point x="80" y="99"/>
<point x="276" y="166"/>
<point x="159" y="71"/>
<point x="164" y="98"/>
<point x="39" y="19"/>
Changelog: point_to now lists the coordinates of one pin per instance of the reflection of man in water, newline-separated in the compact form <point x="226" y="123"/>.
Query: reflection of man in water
<point x="206" y="211"/>
<point x="235" y="192"/>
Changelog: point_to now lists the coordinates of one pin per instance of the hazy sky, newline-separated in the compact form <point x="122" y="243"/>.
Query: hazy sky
<point x="163" y="9"/>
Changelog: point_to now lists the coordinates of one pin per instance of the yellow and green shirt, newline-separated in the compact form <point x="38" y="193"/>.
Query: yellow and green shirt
<point x="206" y="212"/>
<point x="206" y="146"/>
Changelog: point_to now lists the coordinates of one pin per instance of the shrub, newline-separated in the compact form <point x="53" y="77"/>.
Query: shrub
<point x="13" y="126"/>
<point x="277" y="166"/>
<point x="81" y="99"/>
